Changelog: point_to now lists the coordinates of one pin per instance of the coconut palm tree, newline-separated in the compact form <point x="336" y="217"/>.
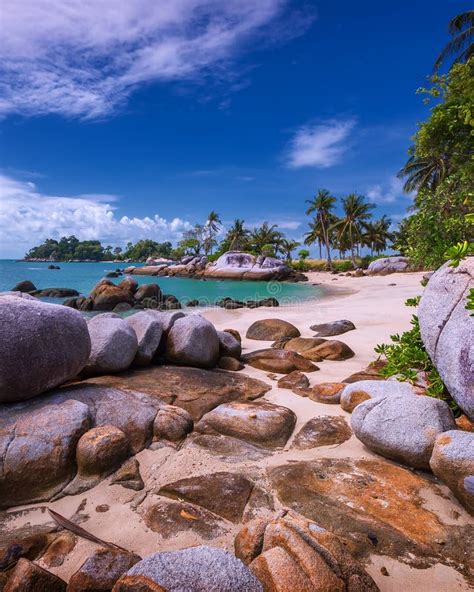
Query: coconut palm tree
<point x="377" y="234"/>
<point x="461" y="46"/>
<point x="350" y="226"/>
<point x="423" y="173"/>
<point x="314" y="235"/>
<point x="213" y="225"/>
<point x="237" y="235"/>
<point x="287" y="246"/>
<point x="265" y="236"/>
<point x="322" y="205"/>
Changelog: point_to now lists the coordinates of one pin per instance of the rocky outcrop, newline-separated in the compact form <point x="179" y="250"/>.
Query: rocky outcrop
<point x="24" y="286"/>
<point x="41" y="346"/>
<point x="197" y="568"/>
<point x="229" y="345"/>
<point x="37" y="448"/>
<point x="271" y="330"/>
<point x="452" y="461"/>
<point x="290" y="552"/>
<point x="447" y="328"/>
<point x="54" y="293"/>
<point x="114" y="344"/>
<point x="410" y="426"/>
<point x="106" y="295"/>
<point x="244" y="266"/>
<point x="377" y="507"/>
<point x="260" y="423"/>
<point x="193" y="341"/>
<point x="388" y="265"/>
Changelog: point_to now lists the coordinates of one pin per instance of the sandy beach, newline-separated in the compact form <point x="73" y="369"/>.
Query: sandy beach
<point x="376" y="306"/>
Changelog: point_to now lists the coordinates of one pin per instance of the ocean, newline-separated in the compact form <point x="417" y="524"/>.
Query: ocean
<point x="84" y="276"/>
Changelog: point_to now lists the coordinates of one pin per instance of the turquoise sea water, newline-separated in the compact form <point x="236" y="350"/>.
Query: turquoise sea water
<point x="83" y="277"/>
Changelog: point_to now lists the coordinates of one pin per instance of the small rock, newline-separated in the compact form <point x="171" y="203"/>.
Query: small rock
<point x="225" y="494"/>
<point x="234" y="333"/>
<point x="148" y="291"/>
<point x="149" y="332"/>
<point x="171" y="518"/>
<point x="102" y="508"/>
<point x="98" y="453"/>
<point x="197" y="569"/>
<point x="326" y="392"/>
<point x="279" y="360"/>
<point x="26" y="576"/>
<point x="229" y="346"/>
<point x="172" y="424"/>
<point x="271" y="330"/>
<point x="193" y="341"/>
<point x="101" y="570"/>
<point x="258" y="422"/>
<point x="295" y="379"/>
<point x="57" y="551"/>
<point x="402" y="427"/>
<point x="226" y="363"/>
<point x="128" y="475"/>
<point x="114" y="345"/>
<point x="452" y="461"/>
<point x="332" y="350"/>
<point x="358" y="392"/>
<point x="325" y="430"/>
<point x="334" y="328"/>
<point x="24" y="286"/>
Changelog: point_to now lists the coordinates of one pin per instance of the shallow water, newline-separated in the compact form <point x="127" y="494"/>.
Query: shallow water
<point x="83" y="277"/>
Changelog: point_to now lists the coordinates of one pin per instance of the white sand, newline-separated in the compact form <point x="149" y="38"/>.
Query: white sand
<point x="377" y="309"/>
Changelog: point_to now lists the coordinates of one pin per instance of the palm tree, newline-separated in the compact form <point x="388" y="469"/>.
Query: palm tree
<point x="314" y="235"/>
<point x="423" y="172"/>
<point x="237" y="235"/>
<point x="264" y="236"/>
<point x="213" y="224"/>
<point x="355" y="218"/>
<point x="377" y="234"/>
<point x="322" y="205"/>
<point x="287" y="246"/>
<point x="461" y="47"/>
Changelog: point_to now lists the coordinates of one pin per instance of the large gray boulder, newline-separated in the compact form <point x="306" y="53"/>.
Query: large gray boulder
<point x="193" y="341"/>
<point x="197" y="569"/>
<point x="239" y="265"/>
<point x="388" y="265"/>
<point x="41" y="346"/>
<point x="447" y="330"/>
<point x="149" y="331"/>
<point x="452" y="461"/>
<point x="229" y="345"/>
<point x="114" y="344"/>
<point x="357" y="392"/>
<point x="402" y="428"/>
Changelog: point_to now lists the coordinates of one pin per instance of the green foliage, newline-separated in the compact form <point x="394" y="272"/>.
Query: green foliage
<point x="470" y="301"/>
<point x="456" y="253"/>
<point x="303" y="254"/>
<point x="441" y="169"/>
<point x="406" y="356"/>
<point x="68" y="249"/>
<point x="147" y="248"/>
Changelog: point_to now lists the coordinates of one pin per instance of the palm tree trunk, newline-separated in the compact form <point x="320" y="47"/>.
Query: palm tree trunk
<point x="352" y="249"/>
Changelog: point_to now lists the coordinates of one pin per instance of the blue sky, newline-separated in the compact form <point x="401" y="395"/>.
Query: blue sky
<point x="122" y="122"/>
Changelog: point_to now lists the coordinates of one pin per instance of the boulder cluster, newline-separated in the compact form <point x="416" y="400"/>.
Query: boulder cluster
<point x="234" y="265"/>
<point x="123" y="297"/>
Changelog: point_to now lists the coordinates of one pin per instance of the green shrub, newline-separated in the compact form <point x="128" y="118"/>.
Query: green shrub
<point x="407" y="356"/>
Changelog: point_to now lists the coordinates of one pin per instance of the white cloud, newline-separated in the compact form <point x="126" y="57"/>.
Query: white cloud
<point x="320" y="145"/>
<point x="27" y="217"/>
<point x="388" y="192"/>
<point x="84" y="57"/>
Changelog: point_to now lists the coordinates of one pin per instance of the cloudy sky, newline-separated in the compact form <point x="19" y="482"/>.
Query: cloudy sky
<point x="128" y="120"/>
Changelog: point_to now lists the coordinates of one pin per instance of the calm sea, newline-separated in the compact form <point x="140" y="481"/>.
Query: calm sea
<point x="83" y="277"/>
